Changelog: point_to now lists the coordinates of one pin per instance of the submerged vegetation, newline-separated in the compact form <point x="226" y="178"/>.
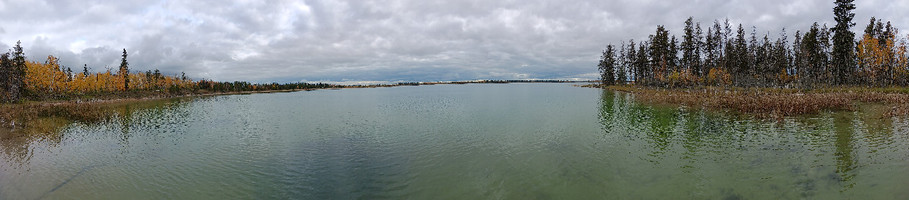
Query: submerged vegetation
<point x="822" y="69"/>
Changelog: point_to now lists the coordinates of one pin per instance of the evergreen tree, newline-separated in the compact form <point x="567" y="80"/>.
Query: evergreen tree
<point x="621" y="76"/>
<point x="825" y="66"/>
<point x="641" y="64"/>
<point x="631" y="61"/>
<point x="156" y="77"/>
<point x="761" y="60"/>
<point x="753" y="46"/>
<point x="869" y="30"/>
<point x="843" y="41"/>
<point x="887" y="41"/>
<point x="712" y="47"/>
<point x="740" y="57"/>
<point x="673" y="55"/>
<point x="797" y="55"/>
<point x="690" y="57"/>
<point x="124" y="71"/>
<point x="148" y="79"/>
<point x="16" y="76"/>
<point x="607" y="65"/>
<point x="69" y="74"/>
<point x="661" y="60"/>
<point x="6" y="67"/>
<point x="729" y="54"/>
<point x="780" y="58"/>
<point x="812" y="55"/>
<point x="698" y="65"/>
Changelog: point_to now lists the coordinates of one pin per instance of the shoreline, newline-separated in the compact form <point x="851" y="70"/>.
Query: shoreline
<point x="17" y="116"/>
<point x="154" y="95"/>
<point x="137" y="97"/>
<point x="773" y="102"/>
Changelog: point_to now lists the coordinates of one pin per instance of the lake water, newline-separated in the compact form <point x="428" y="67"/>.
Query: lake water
<point x="475" y="141"/>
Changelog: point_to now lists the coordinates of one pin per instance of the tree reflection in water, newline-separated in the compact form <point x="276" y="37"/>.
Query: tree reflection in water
<point x="48" y="125"/>
<point x="804" y="154"/>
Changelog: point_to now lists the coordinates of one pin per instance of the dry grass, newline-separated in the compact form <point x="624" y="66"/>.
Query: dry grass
<point x="23" y="123"/>
<point x="19" y="118"/>
<point x="26" y="119"/>
<point x="774" y="101"/>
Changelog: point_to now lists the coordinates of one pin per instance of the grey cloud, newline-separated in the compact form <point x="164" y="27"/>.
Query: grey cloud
<point x="393" y="40"/>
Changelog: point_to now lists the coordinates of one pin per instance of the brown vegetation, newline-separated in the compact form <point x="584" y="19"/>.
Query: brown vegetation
<point x="774" y="101"/>
<point x="14" y="117"/>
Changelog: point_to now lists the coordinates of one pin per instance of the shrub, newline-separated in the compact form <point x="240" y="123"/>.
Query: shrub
<point x="718" y="77"/>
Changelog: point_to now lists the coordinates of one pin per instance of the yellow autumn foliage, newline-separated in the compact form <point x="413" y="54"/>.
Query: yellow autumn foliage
<point x="719" y="77"/>
<point x="50" y="78"/>
<point x="881" y="61"/>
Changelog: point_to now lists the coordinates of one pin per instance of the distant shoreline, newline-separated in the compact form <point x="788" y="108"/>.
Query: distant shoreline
<point x="153" y="95"/>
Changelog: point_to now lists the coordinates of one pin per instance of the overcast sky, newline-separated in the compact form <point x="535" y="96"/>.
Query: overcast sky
<point x="365" y="40"/>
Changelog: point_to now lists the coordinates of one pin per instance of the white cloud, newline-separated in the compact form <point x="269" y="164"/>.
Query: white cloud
<point x="370" y="40"/>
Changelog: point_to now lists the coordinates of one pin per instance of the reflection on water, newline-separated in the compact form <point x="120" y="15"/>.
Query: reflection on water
<point x="16" y="143"/>
<point x="511" y="141"/>
<point x="829" y="155"/>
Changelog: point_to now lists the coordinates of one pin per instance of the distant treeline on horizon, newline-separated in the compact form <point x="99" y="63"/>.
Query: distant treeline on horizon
<point x="821" y="56"/>
<point x="491" y="81"/>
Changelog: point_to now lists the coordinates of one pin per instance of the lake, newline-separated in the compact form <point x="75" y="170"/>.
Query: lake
<point x="474" y="141"/>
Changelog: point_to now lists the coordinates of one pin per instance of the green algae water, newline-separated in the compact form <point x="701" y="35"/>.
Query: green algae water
<point x="475" y="141"/>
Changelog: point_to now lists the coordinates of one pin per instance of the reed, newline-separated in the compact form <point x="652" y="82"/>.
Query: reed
<point x="773" y="101"/>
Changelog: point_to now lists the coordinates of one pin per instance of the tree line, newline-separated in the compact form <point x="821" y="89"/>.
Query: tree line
<point x="725" y="55"/>
<point x="22" y="79"/>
